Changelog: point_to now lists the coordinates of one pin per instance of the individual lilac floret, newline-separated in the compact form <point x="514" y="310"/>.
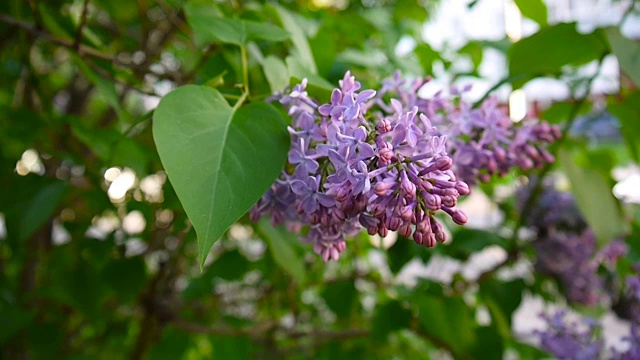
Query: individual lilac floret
<point x="570" y="340"/>
<point x="482" y="141"/>
<point x="356" y="164"/>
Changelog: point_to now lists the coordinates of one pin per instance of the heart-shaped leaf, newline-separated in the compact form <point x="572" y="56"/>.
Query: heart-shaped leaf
<point x="219" y="160"/>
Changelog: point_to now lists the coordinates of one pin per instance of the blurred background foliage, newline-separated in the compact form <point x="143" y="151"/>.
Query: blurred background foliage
<point x="98" y="259"/>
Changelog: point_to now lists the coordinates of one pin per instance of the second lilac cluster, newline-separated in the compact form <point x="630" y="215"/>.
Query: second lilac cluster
<point x="483" y="141"/>
<point x="360" y="162"/>
<point x="582" y="339"/>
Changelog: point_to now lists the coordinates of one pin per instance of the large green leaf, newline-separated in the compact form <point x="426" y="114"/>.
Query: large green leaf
<point x="547" y="51"/>
<point x="595" y="199"/>
<point x="627" y="51"/>
<point x="209" y="26"/>
<point x="282" y="247"/>
<point x="219" y="160"/>
<point x="535" y="10"/>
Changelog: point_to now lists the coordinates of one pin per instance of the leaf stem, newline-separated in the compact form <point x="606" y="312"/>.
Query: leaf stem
<point x="240" y="101"/>
<point x="245" y="68"/>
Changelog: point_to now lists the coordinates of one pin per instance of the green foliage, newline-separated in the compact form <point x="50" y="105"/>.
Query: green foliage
<point x="535" y="10"/>
<point x="282" y="245"/>
<point x="547" y="51"/>
<point x="627" y="112"/>
<point x="595" y="199"/>
<point x="627" y="52"/>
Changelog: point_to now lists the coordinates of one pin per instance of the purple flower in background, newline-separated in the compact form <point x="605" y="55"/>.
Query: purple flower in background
<point x="570" y="340"/>
<point x="359" y="161"/>
<point x="633" y="343"/>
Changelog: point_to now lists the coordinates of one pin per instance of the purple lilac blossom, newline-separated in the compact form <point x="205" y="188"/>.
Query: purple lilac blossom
<point x="633" y="342"/>
<point x="482" y="141"/>
<point x="570" y="258"/>
<point x="566" y="247"/>
<point x="570" y="340"/>
<point x="358" y="162"/>
<point x="581" y="339"/>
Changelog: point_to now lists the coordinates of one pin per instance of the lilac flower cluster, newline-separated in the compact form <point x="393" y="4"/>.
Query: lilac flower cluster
<point x="582" y="339"/>
<point x="565" y="247"/>
<point x="482" y="141"/>
<point x="570" y="340"/>
<point x="633" y="342"/>
<point x="359" y="161"/>
<point x="553" y="211"/>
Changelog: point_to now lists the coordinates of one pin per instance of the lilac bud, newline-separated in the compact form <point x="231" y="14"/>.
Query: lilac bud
<point x="444" y="163"/>
<point x="418" y="237"/>
<point x="383" y="126"/>
<point x="462" y="188"/>
<point x="382" y="230"/>
<point x="430" y="240"/>
<point x="459" y="217"/>
<point x="433" y="201"/>
<point x="407" y="186"/>
<point x="405" y="230"/>
<point x="393" y="223"/>
<point x="449" y="201"/>
<point x="386" y="155"/>
<point x="381" y="187"/>
<point x="500" y="154"/>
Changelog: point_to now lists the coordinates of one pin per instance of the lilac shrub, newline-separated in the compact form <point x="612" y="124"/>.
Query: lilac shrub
<point x="385" y="161"/>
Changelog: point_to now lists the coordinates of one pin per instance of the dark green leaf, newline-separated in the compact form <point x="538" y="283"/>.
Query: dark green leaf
<point x="389" y="317"/>
<point x="427" y="57"/>
<point x="340" y="297"/>
<point x="595" y="199"/>
<point x="125" y="276"/>
<point x="14" y="319"/>
<point x="535" y="10"/>
<point x="231" y="265"/>
<point x="220" y="160"/>
<point x="171" y="346"/>
<point x="448" y="320"/>
<point x="502" y="299"/>
<point x="627" y="51"/>
<point x="475" y="51"/>
<point x="467" y="241"/>
<point x="282" y="246"/>
<point x="547" y="51"/>
<point x="489" y="344"/>
<point x="40" y="208"/>
<point x="209" y="26"/>
<point x="276" y="73"/>
<point x="560" y="111"/>
<point x="231" y="347"/>
<point x="400" y="254"/>
<point x="317" y="86"/>
<point x="628" y="113"/>
<point x="300" y="42"/>
<point x="128" y="153"/>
